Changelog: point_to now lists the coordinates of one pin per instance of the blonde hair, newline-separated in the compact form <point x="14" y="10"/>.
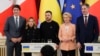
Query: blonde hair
<point x="34" y="23"/>
<point x="67" y="14"/>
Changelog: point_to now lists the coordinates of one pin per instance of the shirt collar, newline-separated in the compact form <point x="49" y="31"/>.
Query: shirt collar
<point x="16" y="16"/>
<point x="86" y="15"/>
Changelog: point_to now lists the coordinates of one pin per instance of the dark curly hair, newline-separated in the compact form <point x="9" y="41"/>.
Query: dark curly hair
<point x="47" y="50"/>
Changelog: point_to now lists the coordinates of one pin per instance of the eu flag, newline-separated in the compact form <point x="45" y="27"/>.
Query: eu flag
<point x="89" y="48"/>
<point x="73" y="7"/>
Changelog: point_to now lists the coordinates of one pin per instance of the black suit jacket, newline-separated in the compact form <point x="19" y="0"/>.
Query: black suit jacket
<point x="87" y="34"/>
<point x="11" y="30"/>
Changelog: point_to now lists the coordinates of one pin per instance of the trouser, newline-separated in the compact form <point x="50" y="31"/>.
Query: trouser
<point x="10" y="49"/>
<point x="68" y="53"/>
<point x="82" y="52"/>
<point x="27" y="54"/>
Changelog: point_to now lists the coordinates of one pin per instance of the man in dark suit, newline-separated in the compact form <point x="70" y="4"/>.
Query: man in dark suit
<point x="86" y="29"/>
<point x="14" y="28"/>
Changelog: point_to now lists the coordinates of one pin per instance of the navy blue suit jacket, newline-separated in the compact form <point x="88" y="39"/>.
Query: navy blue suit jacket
<point x="11" y="30"/>
<point x="89" y="33"/>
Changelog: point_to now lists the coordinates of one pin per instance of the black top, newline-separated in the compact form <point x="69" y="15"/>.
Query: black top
<point x="32" y="35"/>
<point x="49" y="30"/>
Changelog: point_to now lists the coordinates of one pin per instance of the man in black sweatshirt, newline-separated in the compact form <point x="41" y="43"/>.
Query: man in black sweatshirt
<point x="49" y="28"/>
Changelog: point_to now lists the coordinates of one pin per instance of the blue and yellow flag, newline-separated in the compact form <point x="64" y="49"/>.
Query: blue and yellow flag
<point x="73" y="7"/>
<point x="53" y="6"/>
<point x="26" y="47"/>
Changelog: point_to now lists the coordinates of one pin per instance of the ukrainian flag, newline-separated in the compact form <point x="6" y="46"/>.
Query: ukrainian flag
<point x="53" y="6"/>
<point x="26" y="47"/>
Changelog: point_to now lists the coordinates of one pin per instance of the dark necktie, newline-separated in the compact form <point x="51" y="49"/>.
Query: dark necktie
<point x="17" y="22"/>
<point x="86" y="21"/>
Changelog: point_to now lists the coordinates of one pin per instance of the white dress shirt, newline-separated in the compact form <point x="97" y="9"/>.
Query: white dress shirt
<point x="86" y="18"/>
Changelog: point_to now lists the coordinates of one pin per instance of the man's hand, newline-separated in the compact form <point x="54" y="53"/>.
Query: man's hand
<point x="14" y="40"/>
<point x="57" y="46"/>
<point x="19" y="39"/>
<point x="79" y="45"/>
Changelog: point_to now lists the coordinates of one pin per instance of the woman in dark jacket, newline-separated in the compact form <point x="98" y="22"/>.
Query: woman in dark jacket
<point x="31" y="33"/>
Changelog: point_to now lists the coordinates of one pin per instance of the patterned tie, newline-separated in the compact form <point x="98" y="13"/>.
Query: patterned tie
<point x="86" y="21"/>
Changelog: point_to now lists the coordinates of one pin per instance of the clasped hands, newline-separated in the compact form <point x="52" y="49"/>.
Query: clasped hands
<point x="15" y="40"/>
<point x="66" y="40"/>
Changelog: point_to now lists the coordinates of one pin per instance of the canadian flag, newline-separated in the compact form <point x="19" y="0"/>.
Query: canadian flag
<point x="5" y="11"/>
<point x="28" y="8"/>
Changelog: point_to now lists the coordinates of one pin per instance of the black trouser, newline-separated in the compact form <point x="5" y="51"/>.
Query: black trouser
<point x="68" y="53"/>
<point x="82" y="52"/>
<point x="27" y="54"/>
<point x="10" y="49"/>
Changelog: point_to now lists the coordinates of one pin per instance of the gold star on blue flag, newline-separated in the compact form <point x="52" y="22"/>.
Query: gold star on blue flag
<point x="73" y="7"/>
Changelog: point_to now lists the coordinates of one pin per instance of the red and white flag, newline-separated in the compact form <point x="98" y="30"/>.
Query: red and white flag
<point x="5" y="11"/>
<point x="28" y="8"/>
